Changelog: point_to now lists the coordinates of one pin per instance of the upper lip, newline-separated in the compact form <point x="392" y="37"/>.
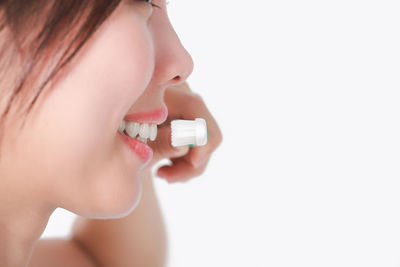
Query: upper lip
<point x="156" y="116"/>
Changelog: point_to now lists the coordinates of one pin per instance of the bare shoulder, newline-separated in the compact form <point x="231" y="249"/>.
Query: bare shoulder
<point x="57" y="252"/>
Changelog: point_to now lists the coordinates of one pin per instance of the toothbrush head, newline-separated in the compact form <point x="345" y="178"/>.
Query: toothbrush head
<point x="189" y="132"/>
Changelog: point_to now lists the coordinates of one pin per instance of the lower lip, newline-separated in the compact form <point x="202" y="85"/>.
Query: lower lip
<point x="141" y="149"/>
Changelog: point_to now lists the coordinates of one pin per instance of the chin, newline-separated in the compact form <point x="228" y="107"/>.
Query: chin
<point x="114" y="202"/>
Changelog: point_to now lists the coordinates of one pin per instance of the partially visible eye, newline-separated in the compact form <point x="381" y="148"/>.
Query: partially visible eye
<point x="150" y="2"/>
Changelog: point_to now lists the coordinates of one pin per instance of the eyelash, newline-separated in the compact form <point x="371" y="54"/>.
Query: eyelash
<point x="151" y="3"/>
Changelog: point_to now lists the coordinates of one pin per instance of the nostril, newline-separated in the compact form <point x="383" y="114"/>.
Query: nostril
<point x="177" y="78"/>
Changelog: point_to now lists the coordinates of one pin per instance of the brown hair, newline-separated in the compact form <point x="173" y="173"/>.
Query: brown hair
<point x="33" y="33"/>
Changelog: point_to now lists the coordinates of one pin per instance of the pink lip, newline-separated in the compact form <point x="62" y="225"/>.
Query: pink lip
<point x="140" y="148"/>
<point x="157" y="116"/>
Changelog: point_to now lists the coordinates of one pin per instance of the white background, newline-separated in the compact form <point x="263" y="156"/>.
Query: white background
<point x="307" y="96"/>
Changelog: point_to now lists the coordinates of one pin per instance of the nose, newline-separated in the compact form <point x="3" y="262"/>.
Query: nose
<point x="173" y="62"/>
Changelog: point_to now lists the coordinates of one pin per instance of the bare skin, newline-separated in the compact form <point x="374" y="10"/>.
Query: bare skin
<point x="56" y="163"/>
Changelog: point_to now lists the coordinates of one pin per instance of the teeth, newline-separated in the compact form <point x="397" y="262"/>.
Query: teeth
<point x="139" y="131"/>
<point x="144" y="130"/>
<point x="153" y="132"/>
<point x="122" y="126"/>
<point x="132" y="129"/>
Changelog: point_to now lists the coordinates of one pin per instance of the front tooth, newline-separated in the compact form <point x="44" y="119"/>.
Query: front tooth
<point x="144" y="130"/>
<point x="122" y="126"/>
<point x="144" y="140"/>
<point x="153" y="132"/>
<point x="132" y="129"/>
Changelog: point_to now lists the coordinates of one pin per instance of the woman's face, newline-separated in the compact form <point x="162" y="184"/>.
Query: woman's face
<point x="71" y="148"/>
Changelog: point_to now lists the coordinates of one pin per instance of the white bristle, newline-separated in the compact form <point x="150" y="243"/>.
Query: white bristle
<point x="186" y="132"/>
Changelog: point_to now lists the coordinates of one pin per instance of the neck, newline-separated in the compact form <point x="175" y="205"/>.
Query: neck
<point x="22" y="222"/>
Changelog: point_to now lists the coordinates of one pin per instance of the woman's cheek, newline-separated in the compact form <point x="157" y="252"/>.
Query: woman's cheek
<point x="122" y="58"/>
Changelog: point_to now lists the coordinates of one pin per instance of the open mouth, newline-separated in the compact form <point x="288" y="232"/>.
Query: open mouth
<point x="136" y="128"/>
